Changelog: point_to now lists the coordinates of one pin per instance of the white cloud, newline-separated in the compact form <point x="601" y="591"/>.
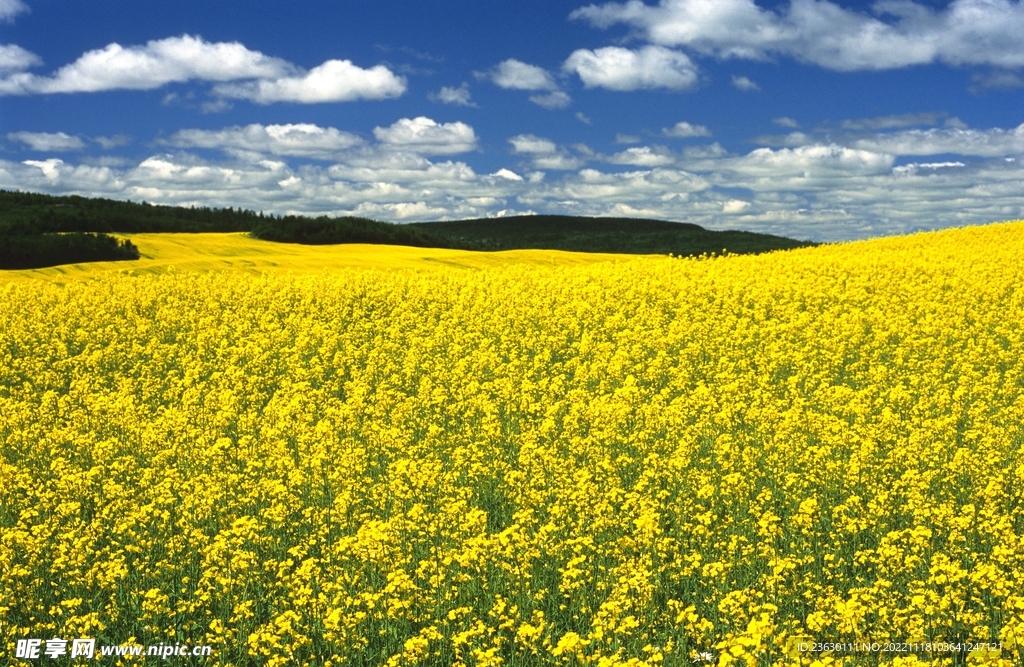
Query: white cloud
<point x="48" y="141"/>
<point x="618" y="68"/>
<point x="824" y="191"/>
<point x="56" y="176"/>
<point x="553" y="100"/>
<point x="557" y="162"/>
<point x="530" y="144"/>
<point x="999" y="79"/>
<point x="914" y="167"/>
<point x="643" y="156"/>
<point x="391" y="186"/>
<point x="898" y="33"/>
<point x="296" y="140"/>
<point x="13" y="58"/>
<point x="940" y="165"/>
<point x="810" y="162"/>
<point x="745" y="84"/>
<point x="428" y="137"/>
<point x="508" y="175"/>
<point x="48" y="167"/>
<point x="169" y="171"/>
<point x="518" y="75"/>
<point x="159" y="62"/>
<point x="60" y="141"/>
<point x="246" y="74"/>
<point x="332" y="81"/>
<point x="392" y="172"/>
<point x="953" y="138"/>
<point x="628" y="138"/>
<point x="451" y="95"/>
<point x="892" y="122"/>
<point x="682" y="129"/>
<point x="106" y="161"/>
<point x="706" y="151"/>
<point x="639" y="192"/>
<point x="994" y="142"/>
<point x="544" y="153"/>
<point x="11" y="8"/>
<point x="114" y="141"/>
<point x="785" y="121"/>
<point x="584" y="118"/>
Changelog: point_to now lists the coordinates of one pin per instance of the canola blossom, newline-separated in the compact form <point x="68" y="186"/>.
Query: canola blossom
<point x="657" y="461"/>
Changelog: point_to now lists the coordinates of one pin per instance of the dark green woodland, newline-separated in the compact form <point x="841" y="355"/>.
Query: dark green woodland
<point x="38" y="230"/>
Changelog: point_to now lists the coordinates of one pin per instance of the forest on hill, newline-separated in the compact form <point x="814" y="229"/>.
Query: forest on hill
<point x="616" y="235"/>
<point x="40" y="230"/>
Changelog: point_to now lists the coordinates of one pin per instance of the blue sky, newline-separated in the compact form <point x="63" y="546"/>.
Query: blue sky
<point x="809" y="118"/>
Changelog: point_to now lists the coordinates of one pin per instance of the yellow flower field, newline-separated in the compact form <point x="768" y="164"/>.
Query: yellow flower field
<point x="237" y="251"/>
<point x="650" y="462"/>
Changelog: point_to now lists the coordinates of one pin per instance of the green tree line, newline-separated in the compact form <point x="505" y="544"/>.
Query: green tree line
<point x="31" y="222"/>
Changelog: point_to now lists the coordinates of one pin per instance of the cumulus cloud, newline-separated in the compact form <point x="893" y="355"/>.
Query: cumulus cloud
<point x="897" y="33"/>
<point x="530" y="144"/>
<point x="403" y="143"/>
<point x="785" y="121"/>
<point x="332" y="81"/>
<point x="914" y="167"/>
<point x="508" y="175"/>
<point x="49" y="168"/>
<point x="814" y="161"/>
<point x="294" y="140"/>
<point x="892" y="122"/>
<point x="11" y="8"/>
<point x="243" y="73"/>
<point x="428" y="137"/>
<point x="953" y="138"/>
<point x="159" y="62"/>
<point x="995" y="142"/>
<point x="999" y="79"/>
<point x="822" y="190"/>
<point x="518" y="75"/>
<point x="682" y="129"/>
<point x="745" y="84"/>
<point x="544" y="153"/>
<point x="449" y="95"/>
<point x="553" y="100"/>
<point x="114" y="141"/>
<point x="13" y="58"/>
<point x="48" y="141"/>
<point x="622" y="69"/>
<point x="643" y="156"/>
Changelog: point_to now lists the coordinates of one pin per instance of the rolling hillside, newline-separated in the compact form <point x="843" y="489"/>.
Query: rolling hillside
<point x="30" y="222"/>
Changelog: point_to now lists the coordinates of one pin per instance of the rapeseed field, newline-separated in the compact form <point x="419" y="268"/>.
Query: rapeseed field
<point x="171" y="252"/>
<point x="653" y="462"/>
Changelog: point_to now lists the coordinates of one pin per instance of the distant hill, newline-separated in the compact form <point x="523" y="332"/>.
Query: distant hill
<point x="328" y="231"/>
<point x="29" y="223"/>
<point x="38" y="213"/>
<point x="618" y="235"/>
